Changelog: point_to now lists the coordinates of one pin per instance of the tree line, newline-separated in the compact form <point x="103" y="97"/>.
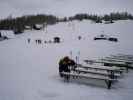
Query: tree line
<point x="18" y="24"/>
<point x="98" y="19"/>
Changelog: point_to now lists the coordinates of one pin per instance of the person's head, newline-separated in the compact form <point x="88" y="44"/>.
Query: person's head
<point x="66" y="58"/>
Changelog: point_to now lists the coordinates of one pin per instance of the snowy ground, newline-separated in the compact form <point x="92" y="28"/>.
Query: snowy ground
<point x="30" y="71"/>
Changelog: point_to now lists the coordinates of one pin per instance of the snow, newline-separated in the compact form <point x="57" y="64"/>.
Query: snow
<point x="29" y="71"/>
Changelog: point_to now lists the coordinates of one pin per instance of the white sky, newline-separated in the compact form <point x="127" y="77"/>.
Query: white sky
<point x="62" y="7"/>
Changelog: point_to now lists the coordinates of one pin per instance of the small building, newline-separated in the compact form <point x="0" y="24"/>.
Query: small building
<point x="37" y="26"/>
<point x="56" y="39"/>
<point x="108" y="22"/>
<point x="6" y="34"/>
<point x="28" y="27"/>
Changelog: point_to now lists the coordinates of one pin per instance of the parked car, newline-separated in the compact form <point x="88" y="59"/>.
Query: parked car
<point x="113" y="39"/>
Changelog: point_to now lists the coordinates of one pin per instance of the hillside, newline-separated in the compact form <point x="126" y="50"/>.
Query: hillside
<point x="29" y="71"/>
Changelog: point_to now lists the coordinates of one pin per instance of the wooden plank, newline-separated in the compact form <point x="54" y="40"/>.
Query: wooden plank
<point x="104" y="73"/>
<point x="92" y="61"/>
<point x="102" y="61"/>
<point x="128" y="64"/>
<point x="88" y="76"/>
<point x="108" y="80"/>
<point x="119" y="59"/>
<point x="115" y="69"/>
<point x="109" y="63"/>
<point x="122" y="57"/>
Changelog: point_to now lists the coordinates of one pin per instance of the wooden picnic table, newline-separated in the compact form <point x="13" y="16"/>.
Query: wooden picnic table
<point x="128" y="61"/>
<point x="106" y="68"/>
<point x="98" y="72"/>
<point x="109" y="63"/>
<point x="108" y="74"/>
<point x="123" y="56"/>
<point x="108" y="80"/>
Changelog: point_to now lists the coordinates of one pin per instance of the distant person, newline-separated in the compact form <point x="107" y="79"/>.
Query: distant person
<point x="0" y="35"/>
<point x="28" y="40"/>
<point x="36" y="41"/>
<point x="79" y="37"/>
<point x="39" y="41"/>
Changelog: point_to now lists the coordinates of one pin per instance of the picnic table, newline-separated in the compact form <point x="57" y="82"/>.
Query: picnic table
<point x="105" y="68"/>
<point x="128" y="61"/>
<point x="110" y="63"/>
<point x="108" y="74"/>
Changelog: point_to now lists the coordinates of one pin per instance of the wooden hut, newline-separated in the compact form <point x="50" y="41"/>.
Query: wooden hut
<point x="56" y="39"/>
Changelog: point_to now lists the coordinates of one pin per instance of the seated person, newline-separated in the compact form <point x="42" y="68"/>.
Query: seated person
<point x="66" y="65"/>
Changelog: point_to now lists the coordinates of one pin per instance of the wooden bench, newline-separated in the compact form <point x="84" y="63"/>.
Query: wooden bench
<point x="130" y="57"/>
<point x="109" y="63"/>
<point x="122" y="63"/>
<point x="107" y="80"/>
<point x="108" y="74"/>
<point x="117" y="64"/>
<point x="106" y="68"/>
<point x="101" y="73"/>
<point x="91" y="61"/>
<point x="120" y="60"/>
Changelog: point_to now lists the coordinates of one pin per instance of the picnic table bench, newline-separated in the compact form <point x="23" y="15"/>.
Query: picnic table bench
<point x="123" y="56"/>
<point x="128" y="61"/>
<point x="108" y="80"/>
<point x="108" y="74"/>
<point x="106" y="68"/>
<point x="109" y="63"/>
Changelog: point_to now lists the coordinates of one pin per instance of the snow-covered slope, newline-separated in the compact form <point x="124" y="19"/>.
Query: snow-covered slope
<point x="30" y="72"/>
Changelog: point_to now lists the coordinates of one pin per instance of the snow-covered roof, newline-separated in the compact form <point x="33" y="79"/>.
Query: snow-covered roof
<point x="39" y="25"/>
<point x="27" y="27"/>
<point x="7" y="33"/>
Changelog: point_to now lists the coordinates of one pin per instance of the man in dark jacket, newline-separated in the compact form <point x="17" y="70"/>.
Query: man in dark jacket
<point x="63" y="65"/>
<point x="66" y="65"/>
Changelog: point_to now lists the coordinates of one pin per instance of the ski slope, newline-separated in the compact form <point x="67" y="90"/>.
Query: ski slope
<point x="29" y="71"/>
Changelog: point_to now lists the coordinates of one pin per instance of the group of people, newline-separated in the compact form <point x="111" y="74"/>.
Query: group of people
<point x="39" y="41"/>
<point x="66" y="65"/>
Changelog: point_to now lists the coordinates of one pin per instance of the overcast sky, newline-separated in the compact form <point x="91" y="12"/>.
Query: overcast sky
<point x="63" y="7"/>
